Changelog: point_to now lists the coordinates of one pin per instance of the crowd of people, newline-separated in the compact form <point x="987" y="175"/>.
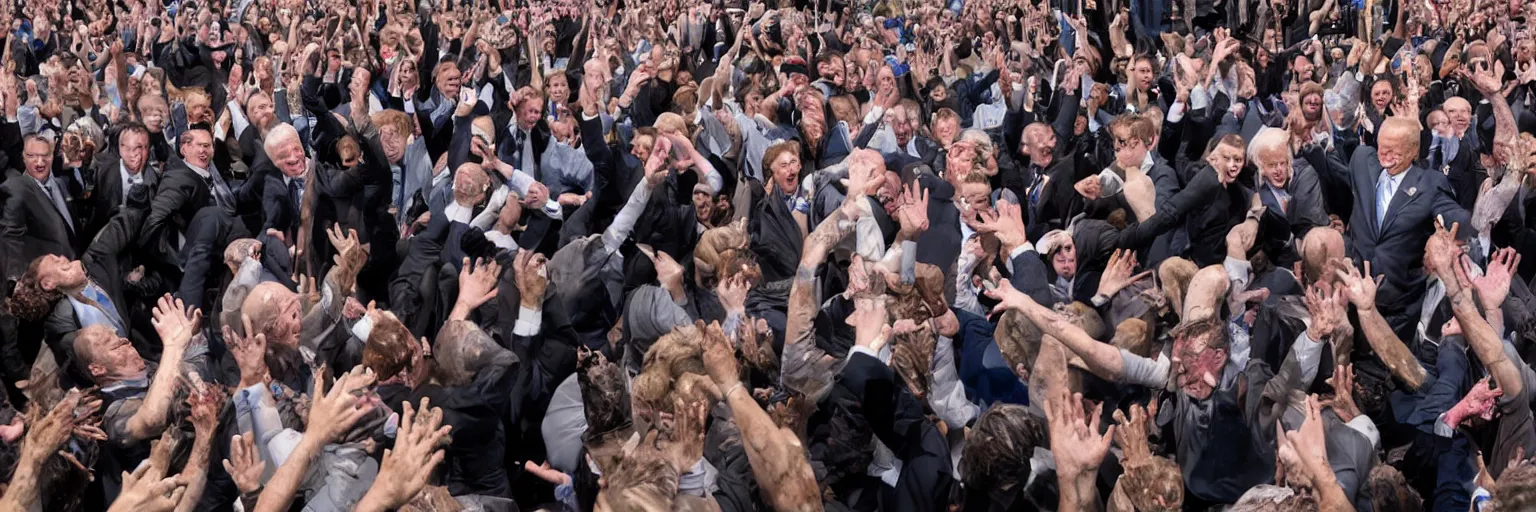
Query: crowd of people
<point x="653" y="255"/>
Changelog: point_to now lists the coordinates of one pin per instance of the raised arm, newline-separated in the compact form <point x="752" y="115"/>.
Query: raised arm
<point x="1361" y="291"/>
<point x="1445" y="258"/>
<point x="176" y="326"/>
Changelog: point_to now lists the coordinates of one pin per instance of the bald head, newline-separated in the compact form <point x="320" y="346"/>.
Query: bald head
<point x="274" y="311"/>
<point x="1320" y="246"/>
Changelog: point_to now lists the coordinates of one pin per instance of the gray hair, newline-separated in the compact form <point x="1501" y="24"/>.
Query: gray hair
<point x="1268" y="140"/>
<point x="462" y="350"/>
<point x="979" y="137"/>
<point x="279" y="134"/>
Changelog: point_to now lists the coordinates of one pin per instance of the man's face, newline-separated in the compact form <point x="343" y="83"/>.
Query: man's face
<point x="263" y="112"/>
<point x="113" y="357"/>
<point x="785" y="168"/>
<point x="447" y="82"/>
<point x="133" y="146"/>
<point x="197" y="149"/>
<point x="529" y="112"/>
<point x="1130" y="151"/>
<point x="1064" y="260"/>
<point x="900" y="127"/>
<point x="1042" y="146"/>
<point x="1381" y="95"/>
<point x="290" y="158"/>
<point x="1312" y="107"/>
<point x="1302" y="67"/>
<point x="1459" y="113"/>
<point x="198" y="110"/>
<point x="976" y="196"/>
<point x="1197" y="366"/>
<point x="1275" y="166"/>
<point x="1142" y="73"/>
<point x="59" y="273"/>
<point x="703" y="206"/>
<point x="1228" y="161"/>
<point x="38" y="155"/>
<point x="1395" y="150"/>
<point x="832" y="70"/>
<point x="407" y="71"/>
<point x="394" y="142"/>
<point x="945" y="130"/>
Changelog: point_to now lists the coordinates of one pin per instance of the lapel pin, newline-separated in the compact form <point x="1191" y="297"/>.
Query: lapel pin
<point x="1412" y="191"/>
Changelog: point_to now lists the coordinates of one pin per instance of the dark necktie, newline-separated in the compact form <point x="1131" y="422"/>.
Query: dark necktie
<point x="296" y="190"/>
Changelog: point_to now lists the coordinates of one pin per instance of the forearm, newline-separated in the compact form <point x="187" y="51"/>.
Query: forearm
<point x="1331" y="496"/>
<point x="1383" y="340"/>
<point x="195" y="473"/>
<point x="1484" y="342"/>
<point x="1102" y="359"/>
<point x="24" y="486"/>
<point x="150" y="418"/>
<point x="280" y="489"/>
<point x="625" y="221"/>
<point x="802" y="292"/>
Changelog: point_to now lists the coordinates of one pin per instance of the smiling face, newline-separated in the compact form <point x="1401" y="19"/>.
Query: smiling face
<point x="1228" y="161"/>
<point x="37" y="154"/>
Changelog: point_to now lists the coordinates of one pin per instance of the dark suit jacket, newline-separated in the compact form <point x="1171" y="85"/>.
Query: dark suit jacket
<point x="1395" y="248"/>
<point x="105" y="263"/>
<point x="1305" y="209"/>
<point x="898" y="421"/>
<point x="108" y="195"/>
<point x="1464" y="171"/>
<point x="180" y="194"/>
<point x="31" y="226"/>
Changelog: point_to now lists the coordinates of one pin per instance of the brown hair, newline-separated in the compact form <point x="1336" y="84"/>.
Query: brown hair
<point x="30" y="301"/>
<point x="398" y="119"/>
<point x="388" y="351"/>
<point x="1139" y="126"/>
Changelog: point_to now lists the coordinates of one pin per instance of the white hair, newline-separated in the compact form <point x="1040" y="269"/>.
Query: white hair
<point x="277" y="136"/>
<point x="1268" y="140"/>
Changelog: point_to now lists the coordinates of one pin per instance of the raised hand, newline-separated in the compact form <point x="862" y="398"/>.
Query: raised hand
<point x="206" y="401"/>
<point x="733" y="294"/>
<point x="146" y="489"/>
<point x="1075" y="442"/>
<point x="1007" y="225"/>
<point x="532" y="278"/>
<point x="1441" y="253"/>
<point x="1118" y="274"/>
<point x="1132" y="433"/>
<point x="417" y="452"/>
<point x="250" y="353"/>
<point x="1343" y="401"/>
<point x="1326" y="307"/>
<point x="478" y="283"/>
<point x="1360" y="289"/>
<point x="343" y="241"/>
<point x="175" y="322"/>
<point x="1493" y="286"/>
<point x="332" y="413"/>
<point x="244" y="464"/>
<point x="913" y="212"/>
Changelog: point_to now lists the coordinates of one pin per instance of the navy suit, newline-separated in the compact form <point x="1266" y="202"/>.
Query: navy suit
<point x="1395" y="246"/>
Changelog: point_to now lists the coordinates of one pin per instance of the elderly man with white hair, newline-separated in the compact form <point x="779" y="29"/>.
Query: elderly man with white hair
<point x="1288" y="186"/>
<point x="282" y="197"/>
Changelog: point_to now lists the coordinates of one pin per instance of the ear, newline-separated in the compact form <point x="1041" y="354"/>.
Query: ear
<point x="48" y="283"/>
<point x="97" y="370"/>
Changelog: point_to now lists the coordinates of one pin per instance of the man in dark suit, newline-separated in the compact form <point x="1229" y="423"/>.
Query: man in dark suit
<point x="527" y="134"/>
<point x="1288" y="186"/>
<point x="282" y="195"/>
<point x="1453" y="151"/>
<point x="1396" y="205"/>
<point x="190" y="183"/>
<point x="118" y="171"/>
<point x="37" y="220"/>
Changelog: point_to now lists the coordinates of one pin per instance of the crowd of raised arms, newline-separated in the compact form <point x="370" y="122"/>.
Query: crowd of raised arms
<point x="733" y="256"/>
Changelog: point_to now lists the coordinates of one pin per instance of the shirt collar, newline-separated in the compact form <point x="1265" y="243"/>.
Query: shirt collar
<point x="205" y="173"/>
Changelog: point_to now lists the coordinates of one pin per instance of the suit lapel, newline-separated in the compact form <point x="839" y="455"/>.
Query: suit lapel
<point x="1407" y="191"/>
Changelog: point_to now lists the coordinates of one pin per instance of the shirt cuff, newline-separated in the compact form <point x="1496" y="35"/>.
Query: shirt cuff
<point x="861" y="349"/>
<point x="875" y="113"/>
<point x="1442" y="428"/>
<point x="1027" y="247"/>
<point x="528" y="322"/>
<point x="1237" y="270"/>
<point x="363" y="328"/>
<point x="1366" y="427"/>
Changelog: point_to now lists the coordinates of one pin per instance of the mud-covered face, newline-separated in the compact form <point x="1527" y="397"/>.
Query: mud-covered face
<point x="1197" y="366"/>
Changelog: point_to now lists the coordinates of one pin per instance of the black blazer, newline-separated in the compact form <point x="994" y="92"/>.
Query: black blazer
<point x="179" y="195"/>
<point x="31" y="226"/>
<point x="1395" y="247"/>
<point x="107" y="197"/>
